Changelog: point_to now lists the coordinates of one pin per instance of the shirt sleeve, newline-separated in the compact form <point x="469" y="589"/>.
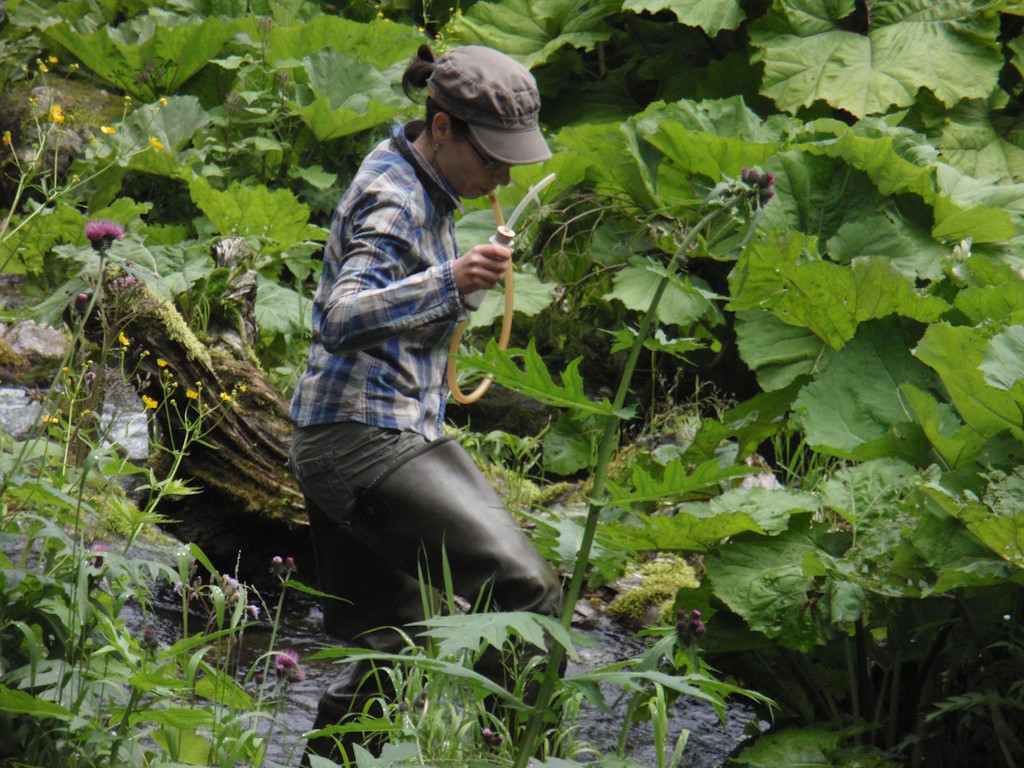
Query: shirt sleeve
<point x="386" y="284"/>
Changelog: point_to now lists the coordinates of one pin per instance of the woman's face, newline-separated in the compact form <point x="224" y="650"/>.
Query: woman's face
<point x="468" y="168"/>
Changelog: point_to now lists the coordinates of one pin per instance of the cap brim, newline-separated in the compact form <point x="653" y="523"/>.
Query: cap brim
<point x="512" y="147"/>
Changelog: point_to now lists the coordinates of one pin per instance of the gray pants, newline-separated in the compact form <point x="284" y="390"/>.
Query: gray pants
<point x="371" y="554"/>
<point x="385" y="507"/>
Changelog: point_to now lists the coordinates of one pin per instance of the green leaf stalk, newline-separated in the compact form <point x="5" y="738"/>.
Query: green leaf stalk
<point x="608" y="443"/>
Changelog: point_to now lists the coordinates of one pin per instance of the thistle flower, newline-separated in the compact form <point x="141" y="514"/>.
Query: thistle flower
<point x="287" y="666"/>
<point x="490" y="738"/>
<point x="149" y="642"/>
<point x="101" y="233"/>
<point x="689" y="626"/>
<point x="282" y="566"/>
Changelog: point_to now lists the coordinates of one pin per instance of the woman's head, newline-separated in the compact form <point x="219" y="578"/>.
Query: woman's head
<point x="492" y="101"/>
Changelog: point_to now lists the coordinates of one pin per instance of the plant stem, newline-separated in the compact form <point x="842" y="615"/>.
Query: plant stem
<point x="609" y="441"/>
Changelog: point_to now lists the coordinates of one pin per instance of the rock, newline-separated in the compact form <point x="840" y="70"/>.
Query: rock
<point x="37" y="343"/>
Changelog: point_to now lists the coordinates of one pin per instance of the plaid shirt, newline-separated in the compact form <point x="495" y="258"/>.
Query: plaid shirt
<point x="387" y="303"/>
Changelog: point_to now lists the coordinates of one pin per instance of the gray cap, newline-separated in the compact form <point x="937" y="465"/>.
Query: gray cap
<point x="497" y="97"/>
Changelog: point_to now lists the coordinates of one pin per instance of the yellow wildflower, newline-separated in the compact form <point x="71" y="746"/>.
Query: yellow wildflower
<point x="52" y="59"/>
<point x="149" y="402"/>
<point x="57" y="113"/>
<point x="243" y="389"/>
<point x="161" y="362"/>
<point x="109" y="130"/>
<point x="163" y="102"/>
<point x="7" y="138"/>
<point x="225" y="397"/>
<point x="191" y="394"/>
<point x="43" y="68"/>
<point x="157" y="144"/>
<point x="123" y="339"/>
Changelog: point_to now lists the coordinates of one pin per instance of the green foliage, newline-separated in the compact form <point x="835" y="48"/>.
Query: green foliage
<point x="875" y="300"/>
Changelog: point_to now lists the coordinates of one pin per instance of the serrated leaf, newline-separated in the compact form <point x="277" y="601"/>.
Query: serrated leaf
<point x="675" y="482"/>
<point x="853" y="408"/>
<point x="281" y="309"/>
<point x="117" y="55"/>
<point x="531" y="31"/>
<point x="378" y="43"/>
<point x="534" y="380"/>
<point x="779" y="353"/>
<point x="699" y="526"/>
<point x="1003" y="359"/>
<point x="763" y="581"/>
<point x="710" y="15"/>
<point x="912" y="251"/>
<point x="946" y="46"/>
<point x="471" y="631"/>
<point x="956" y="352"/>
<point x="956" y="443"/>
<point x="979" y="139"/>
<point x="829" y="299"/>
<point x="681" y="304"/>
<point x="276" y="217"/>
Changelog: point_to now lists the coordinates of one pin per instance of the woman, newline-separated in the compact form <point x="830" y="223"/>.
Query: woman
<point x="387" y="500"/>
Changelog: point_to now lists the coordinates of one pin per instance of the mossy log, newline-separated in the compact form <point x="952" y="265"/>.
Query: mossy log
<point x="249" y="506"/>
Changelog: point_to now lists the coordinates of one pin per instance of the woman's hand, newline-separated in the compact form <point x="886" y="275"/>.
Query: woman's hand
<point x="480" y="267"/>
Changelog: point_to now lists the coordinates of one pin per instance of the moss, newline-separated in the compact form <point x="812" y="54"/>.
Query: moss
<point x="8" y="357"/>
<point x="651" y="587"/>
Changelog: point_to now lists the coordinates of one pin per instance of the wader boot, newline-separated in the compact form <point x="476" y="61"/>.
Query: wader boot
<point x="432" y="504"/>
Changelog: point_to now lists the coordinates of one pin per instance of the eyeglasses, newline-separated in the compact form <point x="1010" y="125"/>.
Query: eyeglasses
<point x="490" y="164"/>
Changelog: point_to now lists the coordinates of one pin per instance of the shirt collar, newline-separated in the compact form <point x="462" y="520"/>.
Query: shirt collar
<point x="402" y="137"/>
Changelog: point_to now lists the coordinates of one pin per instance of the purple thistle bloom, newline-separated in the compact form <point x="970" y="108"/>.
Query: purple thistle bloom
<point x="286" y="664"/>
<point x="101" y="233"/>
<point x="286" y="659"/>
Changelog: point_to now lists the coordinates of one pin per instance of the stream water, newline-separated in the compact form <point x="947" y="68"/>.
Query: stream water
<point x="709" y="741"/>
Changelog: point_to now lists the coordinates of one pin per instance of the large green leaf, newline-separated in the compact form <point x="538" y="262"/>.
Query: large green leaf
<point x="710" y="15"/>
<point x="783" y="275"/>
<point x="946" y="46"/>
<point x="118" y="56"/>
<point x="1003" y="360"/>
<point x="532" y="30"/>
<point x="913" y="251"/>
<point x="705" y="153"/>
<point x="779" y="353"/>
<point x="875" y="153"/>
<point x="981" y="140"/>
<point x="998" y="519"/>
<point x="377" y="43"/>
<point x="275" y="217"/>
<point x="699" y="526"/>
<point x="345" y="96"/>
<point x="956" y="353"/>
<point x="682" y="303"/>
<point x="957" y="443"/>
<point x="853" y="408"/>
<point x="817" y="194"/>
<point x="764" y="581"/>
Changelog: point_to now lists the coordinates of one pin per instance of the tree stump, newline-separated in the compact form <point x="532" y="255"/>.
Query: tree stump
<point x="249" y="507"/>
